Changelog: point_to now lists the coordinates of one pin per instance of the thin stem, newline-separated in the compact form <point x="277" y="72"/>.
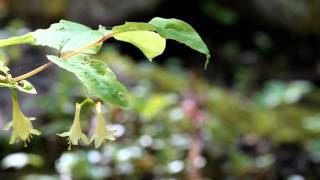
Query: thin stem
<point x="33" y="72"/>
<point x="65" y="56"/>
<point x="14" y="95"/>
<point x="74" y="53"/>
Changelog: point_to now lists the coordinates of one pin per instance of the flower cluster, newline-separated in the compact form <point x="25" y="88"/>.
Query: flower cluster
<point x="23" y="129"/>
<point x="75" y="133"/>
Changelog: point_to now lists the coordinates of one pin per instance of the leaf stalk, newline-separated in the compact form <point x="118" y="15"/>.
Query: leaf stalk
<point x="66" y="57"/>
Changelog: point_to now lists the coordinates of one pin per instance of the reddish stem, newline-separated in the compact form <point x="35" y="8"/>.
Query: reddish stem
<point x="66" y="57"/>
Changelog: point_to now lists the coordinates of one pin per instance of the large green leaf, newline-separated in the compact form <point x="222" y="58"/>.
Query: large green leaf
<point x="182" y="32"/>
<point x="150" y="43"/>
<point x="96" y="76"/>
<point x="58" y="34"/>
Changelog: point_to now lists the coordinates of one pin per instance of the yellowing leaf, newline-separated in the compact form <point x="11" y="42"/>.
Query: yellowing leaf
<point x="150" y="43"/>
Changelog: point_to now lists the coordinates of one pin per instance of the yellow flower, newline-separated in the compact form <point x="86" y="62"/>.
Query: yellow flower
<point x="75" y="134"/>
<point x="21" y="125"/>
<point x="101" y="132"/>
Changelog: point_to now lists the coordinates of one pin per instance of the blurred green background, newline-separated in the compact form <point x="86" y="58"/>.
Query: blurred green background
<point x="253" y="114"/>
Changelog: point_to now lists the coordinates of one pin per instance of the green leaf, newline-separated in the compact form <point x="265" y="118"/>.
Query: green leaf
<point x="58" y="34"/>
<point x="182" y="32"/>
<point x="3" y="67"/>
<point x="26" y="87"/>
<point x="82" y="40"/>
<point x="133" y="26"/>
<point x="74" y="27"/>
<point x="23" y="39"/>
<point x="23" y="86"/>
<point x="150" y="43"/>
<point x="97" y="78"/>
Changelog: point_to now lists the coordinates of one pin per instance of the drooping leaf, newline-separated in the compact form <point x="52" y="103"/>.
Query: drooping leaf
<point x="23" y="86"/>
<point x="133" y="26"/>
<point x="182" y="32"/>
<point x="58" y="34"/>
<point x="83" y="40"/>
<point x="97" y="78"/>
<point x="150" y="43"/>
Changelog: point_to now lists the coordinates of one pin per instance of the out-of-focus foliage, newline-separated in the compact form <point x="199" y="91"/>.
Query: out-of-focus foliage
<point x="219" y="12"/>
<point x="153" y="137"/>
<point x="277" y="93"/>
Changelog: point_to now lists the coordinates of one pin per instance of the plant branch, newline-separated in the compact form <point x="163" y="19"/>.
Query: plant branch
<point x="33" y="72"/>
<point x="65" y="56"/>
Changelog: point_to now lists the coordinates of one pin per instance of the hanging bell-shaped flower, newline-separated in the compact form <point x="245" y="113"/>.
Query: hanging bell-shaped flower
<point x="21" y="125"/>
<point x="75" y="134"/>
<point x="101" y="131"/>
